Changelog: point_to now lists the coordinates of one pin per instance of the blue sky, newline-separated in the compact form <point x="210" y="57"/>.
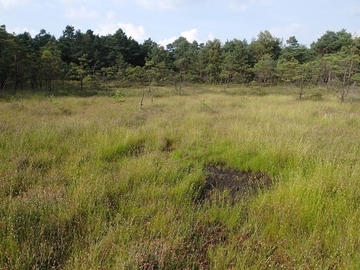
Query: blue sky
<point x="165" y="20"/>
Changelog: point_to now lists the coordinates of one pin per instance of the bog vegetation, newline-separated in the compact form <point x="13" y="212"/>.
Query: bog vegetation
<point x="210" y="179"/>
<point x="119" y="155"/>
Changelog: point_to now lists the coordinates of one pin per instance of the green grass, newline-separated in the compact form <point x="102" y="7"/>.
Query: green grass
<point x="88" y="183"/>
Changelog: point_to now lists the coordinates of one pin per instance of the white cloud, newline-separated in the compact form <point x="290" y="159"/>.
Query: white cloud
<point x="104" y="29"/>
<point x="166" y="41"/>
<point x="138" y="33"/>
<point x="211" y="36"/>
<point x="18" y="30"/>
<point x="287" y="31"/>
<point x="190" y="35"/>
<point x="194" y="34"/>
<point x="82" y="14"/>
<point x="7" y="4"/>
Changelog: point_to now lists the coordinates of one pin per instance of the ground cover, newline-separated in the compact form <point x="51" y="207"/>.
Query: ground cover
<point x="195" y="180"/>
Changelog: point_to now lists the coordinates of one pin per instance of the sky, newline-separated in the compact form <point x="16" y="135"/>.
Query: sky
<point x="166" y="20"/>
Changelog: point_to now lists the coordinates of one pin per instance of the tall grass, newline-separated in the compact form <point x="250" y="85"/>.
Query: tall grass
<point x="92" y="182"/>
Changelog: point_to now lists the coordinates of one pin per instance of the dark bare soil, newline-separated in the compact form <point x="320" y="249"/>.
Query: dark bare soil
<point x="219" y="177"/>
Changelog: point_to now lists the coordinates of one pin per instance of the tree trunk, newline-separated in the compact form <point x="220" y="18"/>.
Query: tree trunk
<point x="301" y="88"/>
<point x="328" y="84"/>
<point x="228" y="81"/>
<point x="81" y="83"/>
<point x="142" y="98"/>
<point x="180" y="83"/>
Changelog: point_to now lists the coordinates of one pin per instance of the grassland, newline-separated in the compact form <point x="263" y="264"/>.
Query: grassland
<point x="99" y="183"/>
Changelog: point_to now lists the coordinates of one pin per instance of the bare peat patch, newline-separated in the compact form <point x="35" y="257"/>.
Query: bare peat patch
<point x="219" y="178"/>
<point x="168" y="145"/>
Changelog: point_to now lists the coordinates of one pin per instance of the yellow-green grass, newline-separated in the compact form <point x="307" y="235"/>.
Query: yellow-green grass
<point x="88" y="183"/>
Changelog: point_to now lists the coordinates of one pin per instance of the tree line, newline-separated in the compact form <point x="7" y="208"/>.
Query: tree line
<point x="78" y="59"/>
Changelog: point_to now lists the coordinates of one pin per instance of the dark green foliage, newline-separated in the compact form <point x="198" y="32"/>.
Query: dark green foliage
<point x="299" y="52"/>
<point x="332" y="42"/>
<point x="82" y="63"/>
